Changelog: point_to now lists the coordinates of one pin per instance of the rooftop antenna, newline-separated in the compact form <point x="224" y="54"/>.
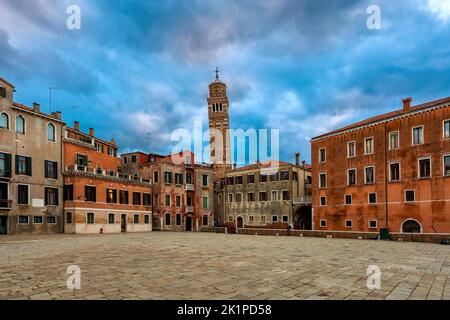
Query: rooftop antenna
<point x="217" y="73"/>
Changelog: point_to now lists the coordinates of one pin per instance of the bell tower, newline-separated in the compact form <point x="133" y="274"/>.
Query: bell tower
<point x="219" y="124"/>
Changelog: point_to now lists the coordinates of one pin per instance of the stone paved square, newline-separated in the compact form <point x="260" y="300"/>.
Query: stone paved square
<point x="167" y="265"/>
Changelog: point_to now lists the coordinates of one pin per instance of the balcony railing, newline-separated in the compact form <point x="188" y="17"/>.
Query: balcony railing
<point x="304" y="199"/>
<point x="190" y="187"/>
<point x="189" y="209"/>
<point x="104" y="173"/>
<point x="5" y="204"/>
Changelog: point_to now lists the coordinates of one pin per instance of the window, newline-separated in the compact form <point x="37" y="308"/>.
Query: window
<point x="322" y="180"/>
<point x="323" y="223"/>
<point x="188" y="178"/>
<point x="284" y="175"/>
<point x="263" y="218"/>
<point x="205" y="203"/>
<point x="90" y="218"/>
<point x="369" y="175"/>
<point x="90" y="194"/>
<point x="51" y="132"/>
<point x="251" y="178"/>
<point x="178" y="178"/>
<point x="323" y="201"/>
<point x="51" y="169"/>
<point x="205" y="180"/>
<point x="348" y="223"/>
<point x="230" y="181"/>
<point x="274" y="195"/>
<point x="37" y="220"/>
<point x="146" y="199"/>
<point x="410" y="196"/>
<point x="178" y="201"/>
<point x="285" y="218"/>
<point x="372" y="198"/>
<point x="51" y="220"/>
<point x="352" y="177"/>
<point x="133" y="158"/>
<point x="146" y="219"/>
<point x="4" y="121"/>
<point x="263" y="196"/>
<point x="351" y="149"/>
<point x="82" y="160"/>
<point x="136" y="198"/>
<point x="348" y="199"/>
<point x="68" y="192"/>
<point x="239" y="180"/>
<point x="23" y="219"/>
<point x="322" y="155"/>
<point x="205" y="220"/>
<point x="20" y="125"/>
<point x="274" y="218"/>
<point x="178" y="219"/>
<point x="230" y="218"/>
<point x="250" y="197"/>
<point x="22" y="197"/>
<point x="111" y="152"/>
<point x="394" y="169"/>
<point x="51" y="196"/>
<point x="446" y="165"/>
<point x="136" y="219"/>
<point x="418" y="136"/>
<point x="123" y="197"/>
<point x="368" y="146"/>
<point x="5" y="165"/>
<point x="285" y="195"/>
<point x="372" y="224"/>
<point x="167" y="219"/>
<point x="98" y="147"/>
<point x="167" y="200"/>
<point x="125" y="160"/>
<point x="168" y="177"/>
<point x="230" y="197"/>
<point x="394" y="140"/>
<point x="155" y="176"/>
<point x="23" y="165"/>
<point x="294" y="176"/>
<point x="425" y="168"/>
<point x="111" y="218"/>
<point x="274" y="177"/>
<point x="251" y="218"/>
<point x="111" y="196"/>
<point x="238" y="197"/>
<point x="446" y="129"/>
<point x="69" y="218"/>
<point x="263" y="178"/>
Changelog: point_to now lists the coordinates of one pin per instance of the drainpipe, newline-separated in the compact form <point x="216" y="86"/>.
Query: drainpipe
<point x="386" y="178"/>
<point x="63" y="130"/>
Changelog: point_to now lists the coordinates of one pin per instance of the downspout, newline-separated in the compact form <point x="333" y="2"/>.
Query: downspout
<point x="386" y="179"/>
<point x="63" y="131"/>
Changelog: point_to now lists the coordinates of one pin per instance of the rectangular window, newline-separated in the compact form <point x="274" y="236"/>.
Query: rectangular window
<point x="262" y="178"/>
<point x="51" y="169"/>
<point x="274" y="218"/>
<point x="323" y="223"/>
<point x="263" y="196"/>
<point x="348" y="199"/>
<point x="274" y="195"/>
<point x="136" y="219"/>
<point x="111" y="218"/>
<point x="238" y="197"/>
<point x="369" y="175"/>
<point x="425" y="168"/>
<point x="372" y="198"/>
<point x="123" y="196"/>
<point x="230" y="218"/>
<point x="239" y="180"/>
<point x="23" y="165"/>
<point x="250" y="197"/>
<point x="133" y="158"/>
<point x="205" y="220"/>
<point x="178" y="219"/>
<point x="168" y="177"/>
<point x="394" y="140"/>
<point x="285" y="219"/>
<point x="410" y="196"/>
<point x="111" y="196"/>
<point x="368" y="146"/>
<point x="69" y="218"/>
<point x="68" y="192"/>
<point x="205" y="203"/>
<point x="251" y="218"/>
<point x="205" y="180"/>
<point x="274" y="177"/>
<point x="394" y="169"/>
<point x="418" y="136"/>
<point x="146" y="199"/>
<point x="373" y="224"/>
<point x="251" y="178"/>
<point x="167" y="200"/>
<point x="155" y="200"/>
<point x="136" y="198"/>
<point x="294" y="176"/>
<point x="22" y="197"/>
<point x="348" y="223"/>
<point x="178" y="201"/>
<point x="167" y="219"/>
<point x="322" y="155"/>
<point x="90" y="194"/>
<point x="111" y="152"/>
<point x="263" y="218"/>
<point x="155" y="176"/>
<point x="230" y="181"/>
<point x="90" y="218"/>
<point x="51" y="220"/>
<point x="38" y="220"/>
<point x="146" y="219"/>
<point x="284" y="175"/>
<point x="446" y="165"/>
<point x="98" y="147"/>
<point x="322" y="180"/>
<point x="82" y="160"/>
<point x="51" y="196"/>
<point x="285" y="195"/>
<point x="323" y="201"/>
<point x="23" y="219"/>
<point x="446" y="129"/>
<point x="351" y="149"/>
<point x="352" y="177"/>
<point x="5" y="165"/>
<point x="230" y="197"/>
<point x="179" y="178"/>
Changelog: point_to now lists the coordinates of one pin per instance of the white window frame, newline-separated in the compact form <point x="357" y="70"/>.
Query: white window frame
<point x="398" y="139"/>
<point x="8" y="125"/>
<point x="323" y="223"/>
<point x="46" y="220"/>
<point x="87" y="213"/>
<point x="271" y="195"/>
<point x="24" y="224"/>
<point x="368" y="198"/>
<point x="345" y="200"/>
<point x="399" y="171"/>
<point x="443" y="128"/>
<point x="251" y="219"/>
<point x="443" y="165"/>
<point x="42" y="221"/>
<point x="422" y="136"/>
<point x="320" y="201"/>
<point x="274" y="215"/>
<point x="230" y="196"/>
<point x="351" y="224"/>
<point x="54" y="132"/>
<point x="326" y="180"/>
<point x="325" y="155"/>
<point x="376" y="224"/>
<point x="431" y="167"/>
<point x="263" y="220"/>
<point x="281" y="194"/>
<point x="348" y="177"/>
<point x="365" y="175"/>
<point x="365" y="146"/>
<point x="413" y="190"/>
<point x="24" y="124"/>
<point x="283" y="216"/>
<point x="253" y="196"/>
<point x="348" y="150"/>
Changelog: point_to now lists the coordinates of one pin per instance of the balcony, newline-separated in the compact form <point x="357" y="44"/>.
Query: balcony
<point x="189" y="209"/>
<point x="104" y="173"/>
<point x="304" y="200"/>
<point x="5" y="204"/>
<point x="190" y="187"/>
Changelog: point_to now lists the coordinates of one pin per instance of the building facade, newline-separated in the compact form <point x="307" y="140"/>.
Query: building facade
<point x="98" y="197"/>
<point x="390" y="171"/>
<point x="31" y="183"/>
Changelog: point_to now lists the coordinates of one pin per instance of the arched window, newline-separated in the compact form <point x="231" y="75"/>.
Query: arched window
<point x="4" y="121"/>
<point x="221" y="108"/>
<point x="20" y="125"/>
<point x="411" y="226"/>
<point x="51" y="136"/>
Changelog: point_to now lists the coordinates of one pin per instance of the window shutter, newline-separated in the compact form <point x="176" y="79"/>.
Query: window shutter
<point x="46" y="168"/>
<point x="8" y="165"/>
<point x="56" y="197"/>
<point x="56" y="170"/>
<point x="17" y="164"/>
<point x="46" y="197"/>
<point x="29" y="167"/>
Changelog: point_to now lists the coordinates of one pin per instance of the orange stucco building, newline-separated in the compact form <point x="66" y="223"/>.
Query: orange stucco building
<point x="390" y="171"/>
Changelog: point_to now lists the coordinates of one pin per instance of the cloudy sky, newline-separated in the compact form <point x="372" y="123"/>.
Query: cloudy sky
<point x="302" y="66"/>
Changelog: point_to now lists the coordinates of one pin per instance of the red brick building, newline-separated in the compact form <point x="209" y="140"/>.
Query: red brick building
<point x="98" y="198"/>
<point x="392" y="170"/>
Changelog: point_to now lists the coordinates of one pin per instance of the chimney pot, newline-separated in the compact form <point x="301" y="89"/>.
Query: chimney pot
<point x="58" y="115"/>
<point x="297" y="159"/>
<point x="76" y="125"/>
<point x="407" y="104"/>
<point x="91" y="132"/>
<point x="36" y="107"/>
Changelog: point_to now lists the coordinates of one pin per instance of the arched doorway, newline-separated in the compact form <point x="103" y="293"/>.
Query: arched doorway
<point x="303" y="218"/>
<point x="411" y="226"/>
<point x="188" y="223"/>
<point x="240" y="222"/>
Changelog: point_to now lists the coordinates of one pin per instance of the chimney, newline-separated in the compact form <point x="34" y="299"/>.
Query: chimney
<point x="36" y="107"/>
<point x="58" y="115"/>
<point x="76" y="125"/>
<point x="407" y="104"/>
<point x="91" y="132"/>
<point x="234" y="166"/>
<point x="297" y="159"/>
